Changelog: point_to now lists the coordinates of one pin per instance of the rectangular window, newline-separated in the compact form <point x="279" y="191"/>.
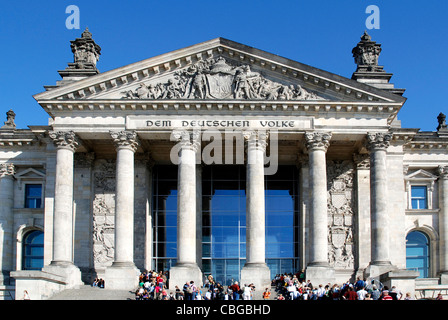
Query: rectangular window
<point x="33" y="196"/>
<point x="419" y="197"/>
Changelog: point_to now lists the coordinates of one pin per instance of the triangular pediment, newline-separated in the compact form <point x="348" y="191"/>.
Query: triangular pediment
<point x="218" y="69"/>
<point x="421" y="175"/>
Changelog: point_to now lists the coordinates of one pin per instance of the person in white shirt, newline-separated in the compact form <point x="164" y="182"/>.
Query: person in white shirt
<point x="361" y="294"/>
<point x="208" y="295"/>
<point x="320" y="292"/>
<point x="247" y="292"/>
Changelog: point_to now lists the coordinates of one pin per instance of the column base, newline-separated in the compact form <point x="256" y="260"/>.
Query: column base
<point x="121" y="276"/>
<point x="258" y="274"/>
<point x="183" y="273"/>
<point x="68" y="271"/>
<point x="320" y="274"/>
<point x="377" y="268"/>
<point x="444" y="277"/>
<point x="402" y="279"/>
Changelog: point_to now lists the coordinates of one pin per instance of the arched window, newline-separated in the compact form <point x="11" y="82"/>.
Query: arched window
<point x="33" y="251"/>
<point x="417" y="253"/>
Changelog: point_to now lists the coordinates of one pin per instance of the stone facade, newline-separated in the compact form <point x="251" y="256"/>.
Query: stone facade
<point x="95" y="160"/>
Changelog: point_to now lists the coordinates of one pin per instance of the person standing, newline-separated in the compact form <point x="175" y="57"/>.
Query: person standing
<point x="386" y="295"/>
<point x="266" y="294"/>
<point x="235" y="290"/>
<point x="361" y="294"/>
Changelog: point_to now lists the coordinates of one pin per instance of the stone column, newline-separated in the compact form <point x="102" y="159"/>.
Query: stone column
<point x="377" y="144"/>
<point x="186" y="268"/>
<point x="255" y="270"/>
<point x="318" y="269"/>
<point x="199" y="215"/>
<point x="123" y="273"/>
<point x="443" y="222"/>
<point x="7" y="171"/>
<point x="362" y="203"/>
<point x="66" y="143"/>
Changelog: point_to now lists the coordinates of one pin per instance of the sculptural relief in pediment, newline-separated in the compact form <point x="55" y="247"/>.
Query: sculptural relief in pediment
<point x="218" y="79"/>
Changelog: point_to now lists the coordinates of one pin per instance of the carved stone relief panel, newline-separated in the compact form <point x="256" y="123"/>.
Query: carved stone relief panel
<point x="340" y="205"/>
<point x="103" y="213"/>
<point x="219" y="79"/>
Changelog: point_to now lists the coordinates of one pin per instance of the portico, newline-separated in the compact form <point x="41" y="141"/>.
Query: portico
<point x="225" y="160"/>
<point x="277" y="113"/>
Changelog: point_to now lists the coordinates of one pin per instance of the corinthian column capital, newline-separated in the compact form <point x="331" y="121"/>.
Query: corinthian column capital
<point x="7" y="169"/>
<point x="188" y="139"/>
<point x="125" y="139"/>
<point x="317" y="140"/>
<point x="378" y="140"/>
<point x="64" y="139"/>
<point x="256" y="139"/>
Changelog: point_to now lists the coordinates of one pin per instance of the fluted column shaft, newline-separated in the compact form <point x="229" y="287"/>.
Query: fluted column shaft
<point x="186" y="197"/>
<point x="377" y="144"/>
<point x="317" y="144"/>
<point x="66" y="144"/>
<point x="7" y="171"/>
<point x="126" y="145"/>
<point x="255" y="200"/>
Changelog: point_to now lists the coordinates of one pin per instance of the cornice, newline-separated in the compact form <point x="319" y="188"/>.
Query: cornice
<point x="55" y="107"/>
<point x="175" y="60"/>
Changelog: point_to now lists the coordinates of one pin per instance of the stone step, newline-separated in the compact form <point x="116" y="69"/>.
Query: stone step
<point x="425" y="282"/>
<point x="88" y="292"/>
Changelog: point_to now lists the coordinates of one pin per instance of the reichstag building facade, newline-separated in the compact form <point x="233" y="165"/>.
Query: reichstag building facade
<point x="221" y="159"/>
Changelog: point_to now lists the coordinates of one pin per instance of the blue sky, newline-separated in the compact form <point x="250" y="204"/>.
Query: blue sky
<point x="413" y="34"/>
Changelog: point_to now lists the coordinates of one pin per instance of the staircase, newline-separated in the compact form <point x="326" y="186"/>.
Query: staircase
<point x="88" y="292"/>
<point x="429" y="288"/>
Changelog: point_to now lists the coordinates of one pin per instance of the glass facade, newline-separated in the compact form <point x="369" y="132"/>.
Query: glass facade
<point x="224" y="220"/>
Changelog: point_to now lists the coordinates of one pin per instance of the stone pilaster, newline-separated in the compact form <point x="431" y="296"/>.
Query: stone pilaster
<point x="66" y="143"/>
<point x="443" y="222"/>
<point x="123" y="274"/>
<point x="7" y="171"/>
<point x="255" y="270"/>
<point x="377" y="144"/>
<point x="186" y="268"/>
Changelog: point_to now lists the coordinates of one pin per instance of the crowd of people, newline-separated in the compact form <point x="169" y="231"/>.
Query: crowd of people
<point x="293" y="287"/>
<point x="153" y="286"/>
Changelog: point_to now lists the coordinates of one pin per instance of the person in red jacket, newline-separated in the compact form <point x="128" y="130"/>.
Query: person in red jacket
<point x="235" y="291"/>
<point x="350" y="294"/>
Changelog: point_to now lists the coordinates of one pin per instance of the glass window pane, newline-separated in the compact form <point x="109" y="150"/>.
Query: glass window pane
<point x="33" y="251"/>
<point x="418" y="192"/>
<point x="417" y="253"/>
<point x="282" y="234"/>
<point x="419" y="197"/>
<point x="228" y="235"/>
<point x="225" y="203"/>
<point x="33" y="196"/>
<point x="279" y="219"/>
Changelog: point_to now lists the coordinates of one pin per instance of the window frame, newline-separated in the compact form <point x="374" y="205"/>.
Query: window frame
<point x="420" y="178"/>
